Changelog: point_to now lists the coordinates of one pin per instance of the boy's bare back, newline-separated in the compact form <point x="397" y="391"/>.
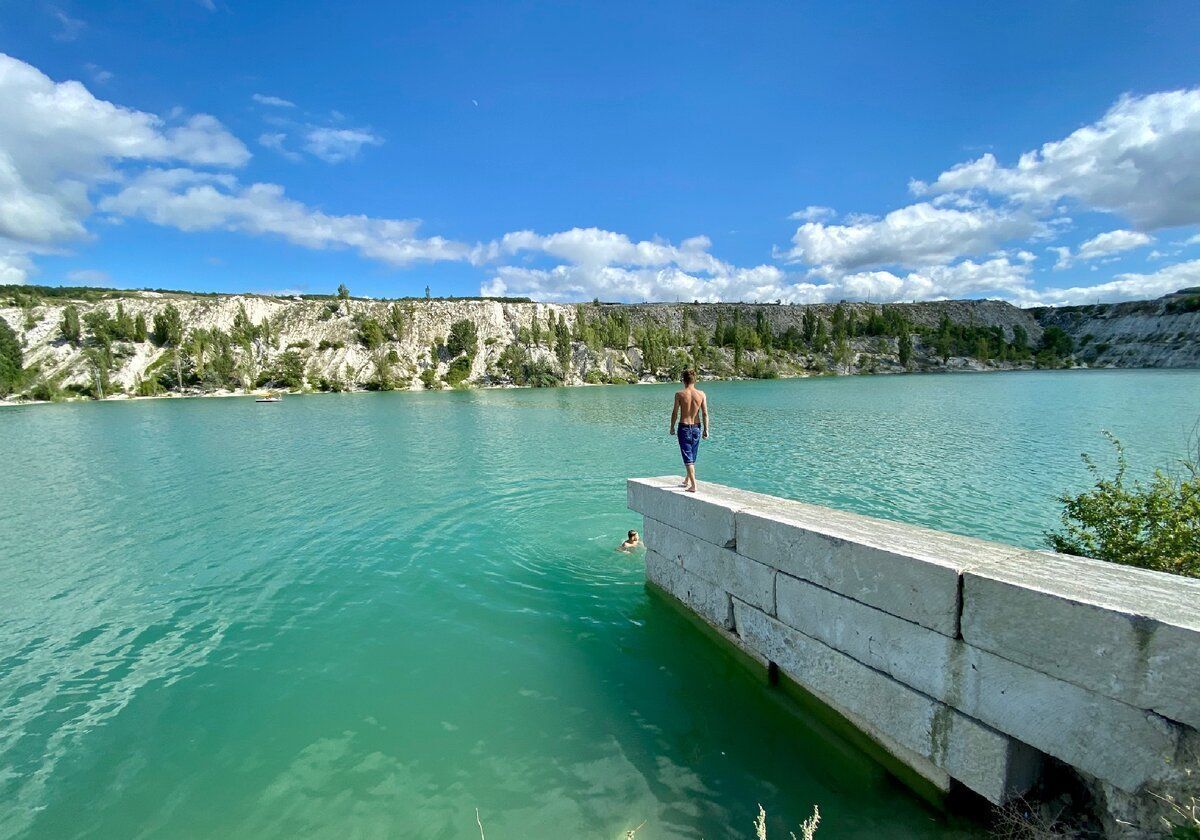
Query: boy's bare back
<point x="690" y="402"/>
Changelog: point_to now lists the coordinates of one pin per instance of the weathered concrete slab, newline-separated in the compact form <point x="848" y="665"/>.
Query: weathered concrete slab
<point x="746" y="579"/>
<point x="711" y="602"/>
<point x="1130" y="634"/>
<point x="990" y="763"/>
<point x="703" y="515"/>
<point x="1108" y="739"/>
<point x="902" y="569"/>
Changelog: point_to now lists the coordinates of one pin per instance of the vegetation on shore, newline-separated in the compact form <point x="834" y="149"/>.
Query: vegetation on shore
<point x="588" y="343"/>
<point x="1153" y="525"/>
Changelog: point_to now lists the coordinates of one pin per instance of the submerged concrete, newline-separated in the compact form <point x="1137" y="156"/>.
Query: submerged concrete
<point x="966" y="660"/>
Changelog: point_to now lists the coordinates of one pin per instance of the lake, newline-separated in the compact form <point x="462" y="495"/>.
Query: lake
<point x="368" y="615"/>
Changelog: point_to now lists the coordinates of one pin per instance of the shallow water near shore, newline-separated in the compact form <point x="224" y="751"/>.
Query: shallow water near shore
<point x="367" y="615"/>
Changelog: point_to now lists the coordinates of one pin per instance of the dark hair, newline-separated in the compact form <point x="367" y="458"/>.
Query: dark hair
<point x="632" y="534"/>
<point x="689" y="376"/>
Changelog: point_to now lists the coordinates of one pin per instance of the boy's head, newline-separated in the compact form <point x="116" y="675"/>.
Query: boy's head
<point x="689" y="376"/>
<point x="633" y="535"/>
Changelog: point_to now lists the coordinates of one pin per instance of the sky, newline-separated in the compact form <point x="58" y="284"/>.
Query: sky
<point x="1041" y="153"/>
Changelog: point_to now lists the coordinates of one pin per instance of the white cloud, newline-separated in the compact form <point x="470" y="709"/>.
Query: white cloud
<point x="274" y="101"/>
<point x="1102" y="245"/>
<point x="57" y="142"/>
<point x="593" y="247"/>
<point x="275" y="142"/>
<point x="1139" y="160"/>
<point x="813" y="213"/>
<point x="15" y="266"/>
<point x="1130" y="286"/>
<point x="917" y="235"/>
<point x="334" y="145"/>
<point x="192" y="201"/>
<point x="1194" y="240"/>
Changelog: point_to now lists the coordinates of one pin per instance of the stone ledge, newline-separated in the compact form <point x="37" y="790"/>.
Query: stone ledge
<point x="990" y="763"/>
<point x="1129" y="634"/>
<point x="1115" y="742"/>
<point x="746" y="579"/>
<point x="712" y="602"/>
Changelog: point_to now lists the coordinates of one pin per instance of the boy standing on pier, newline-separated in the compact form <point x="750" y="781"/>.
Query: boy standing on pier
<point x="691" y="407"/>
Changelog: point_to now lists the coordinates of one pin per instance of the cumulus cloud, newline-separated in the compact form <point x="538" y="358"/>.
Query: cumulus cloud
<point x="1139" y="160"/>
<point x="1128" y="286"/>
<point x="193" y="201"/>
<point x="57" y="142"/>
<point x="273" y="101"/>
<point x="918" y="235"/>
<point x="334" y="145"/>
<point x="1102" y="245"/>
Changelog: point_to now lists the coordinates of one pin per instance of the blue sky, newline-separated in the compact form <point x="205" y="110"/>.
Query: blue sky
<point x="793" y="151"/>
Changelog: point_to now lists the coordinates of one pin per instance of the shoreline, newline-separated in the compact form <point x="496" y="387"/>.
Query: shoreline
<point x="6" y="403"/>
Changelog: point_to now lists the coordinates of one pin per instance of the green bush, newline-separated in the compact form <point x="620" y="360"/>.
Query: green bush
<point x="1151" y="526"/>
<point x="459" y="370"/>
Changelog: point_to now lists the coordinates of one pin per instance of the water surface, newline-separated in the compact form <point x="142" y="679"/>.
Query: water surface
<point x="367" y="615"/>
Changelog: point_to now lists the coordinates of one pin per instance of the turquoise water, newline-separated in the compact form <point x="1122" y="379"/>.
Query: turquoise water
<point x="367" y="615"/>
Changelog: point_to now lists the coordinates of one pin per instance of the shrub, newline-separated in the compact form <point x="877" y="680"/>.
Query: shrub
<point x="70" y="326"/>
<point x="370" y="333"/>
<point x="459" y="370"/>
<point x="429" y="379"/>
<point x="1151" y="526"/>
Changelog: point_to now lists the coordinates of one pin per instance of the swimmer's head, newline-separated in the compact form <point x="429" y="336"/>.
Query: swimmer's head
<point x="689" y="376"/>
<point x="633" y="536"/>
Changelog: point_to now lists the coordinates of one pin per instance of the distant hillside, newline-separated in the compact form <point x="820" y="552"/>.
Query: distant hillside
<point x="103" y="342"/>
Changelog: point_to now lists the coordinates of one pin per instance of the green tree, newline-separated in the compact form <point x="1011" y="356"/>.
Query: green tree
<point x="562" y="346"/>
<point x="168" y="327"/>
<point x="1056" y="340"/>
<point x="139" y="328"/>
<point x="1020" y="338"/>
<point x="396" y="322"/>
<point x="458" y="371"/>
<point x="1153" y="526"/>
<point x="70" y="327"/>
<point x="463" y="339"/>
<point x="344" y="296"/>
<point x="370" y="333"/>
<point x="11" y="370"/>
<point x="906" y="348"/>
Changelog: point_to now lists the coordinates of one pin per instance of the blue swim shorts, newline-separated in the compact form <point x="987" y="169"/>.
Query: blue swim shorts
<point x="689" y="441"/>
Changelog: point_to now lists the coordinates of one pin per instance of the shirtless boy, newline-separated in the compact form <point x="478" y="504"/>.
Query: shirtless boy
<point x="691" y="407"/>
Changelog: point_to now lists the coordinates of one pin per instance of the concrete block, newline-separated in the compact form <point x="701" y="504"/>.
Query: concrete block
<point x="746" y="579"/>
<point x="1130" y="634"/>
<point x="700" y="514"/>
<point x="713" y="604"/>
<point x="990" y="763"/>
<point x="904" y="570"/>
<point x="1110" y="740"/>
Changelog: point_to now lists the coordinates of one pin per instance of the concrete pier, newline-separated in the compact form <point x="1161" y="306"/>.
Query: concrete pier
<point x="967" y="661"/>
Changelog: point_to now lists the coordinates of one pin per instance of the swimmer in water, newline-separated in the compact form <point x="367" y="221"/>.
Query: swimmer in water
<point x="632" y="541"/>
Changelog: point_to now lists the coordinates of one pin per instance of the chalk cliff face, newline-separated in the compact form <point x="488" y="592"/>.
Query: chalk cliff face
<point x="1161" y="333"/>
<point x="321" y="341"/>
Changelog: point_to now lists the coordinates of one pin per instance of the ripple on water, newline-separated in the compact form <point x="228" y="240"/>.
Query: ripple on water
<point x="371" y="614"/>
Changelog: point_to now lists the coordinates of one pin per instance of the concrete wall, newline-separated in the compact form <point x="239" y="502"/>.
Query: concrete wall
<point x="966" y="660"/>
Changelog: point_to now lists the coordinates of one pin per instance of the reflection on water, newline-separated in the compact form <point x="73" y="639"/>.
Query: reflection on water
<point x="367" y="615"/>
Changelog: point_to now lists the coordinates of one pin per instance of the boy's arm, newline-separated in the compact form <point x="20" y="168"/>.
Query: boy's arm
<point x="674" y="414"/>
<point x="704" y="413"/>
